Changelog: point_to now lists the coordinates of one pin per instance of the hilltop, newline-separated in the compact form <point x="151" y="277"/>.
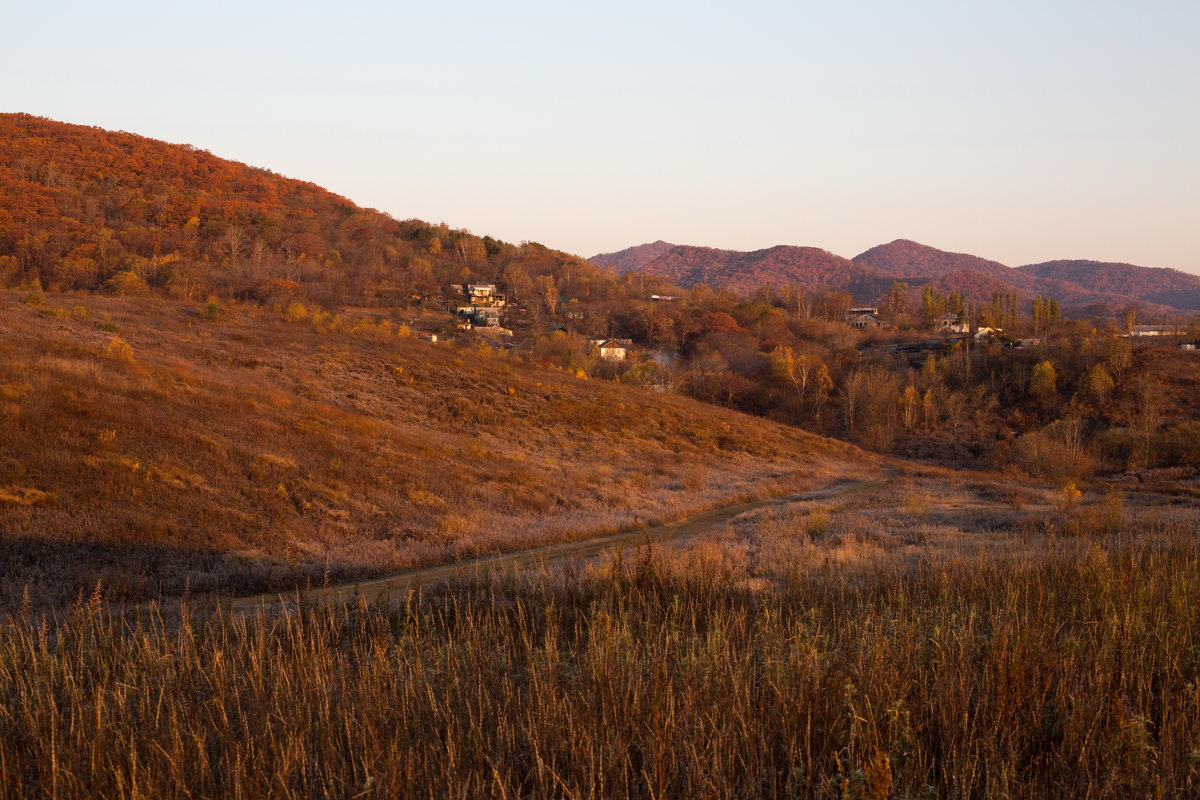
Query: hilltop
<point x="808" y="268"/>
<point x="632" y="258"/>
<point x="86" y="209"/>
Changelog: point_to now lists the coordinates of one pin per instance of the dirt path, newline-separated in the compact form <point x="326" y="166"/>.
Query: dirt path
<point x="400" y="583"/>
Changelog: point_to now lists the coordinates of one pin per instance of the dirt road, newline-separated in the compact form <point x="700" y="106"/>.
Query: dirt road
<point x="400" y="583"/>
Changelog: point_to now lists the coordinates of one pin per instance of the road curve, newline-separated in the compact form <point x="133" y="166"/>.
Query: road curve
<point x="378" y="589"/>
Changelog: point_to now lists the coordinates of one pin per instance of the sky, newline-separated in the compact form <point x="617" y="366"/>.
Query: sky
<point x="1018" y="131"/>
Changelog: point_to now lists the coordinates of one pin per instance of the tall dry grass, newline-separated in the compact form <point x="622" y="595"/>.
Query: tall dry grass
<point x="1073" y="671"/>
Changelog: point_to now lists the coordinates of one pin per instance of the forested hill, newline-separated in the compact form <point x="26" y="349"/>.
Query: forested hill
<point x="632" y="258"/>
<point x="1078" y="285"/>
<point x="1168" y="287"/>
<point x="82" y="208"/>
<point x="808" y="268"/>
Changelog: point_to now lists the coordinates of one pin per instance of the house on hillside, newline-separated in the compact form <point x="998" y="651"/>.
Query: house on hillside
<point x="479" y="316"/>
<point x="865" y="317"/>
<point x="612" y="349"/>
<point x="485" y="294"/>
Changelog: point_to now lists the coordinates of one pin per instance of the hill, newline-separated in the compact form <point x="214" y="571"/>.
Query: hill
<point x="809" y="268"/>
<point x="1077" y="285"/>
<point x="914" y="260"/>
<point x="155" y="447"/>
<point x="632" y="258"/>
<point x="85" y="209"/>
<point x="1156" y="285"/>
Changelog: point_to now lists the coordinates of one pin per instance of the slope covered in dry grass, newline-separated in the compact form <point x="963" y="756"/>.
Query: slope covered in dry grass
<point x="153" y="447"/>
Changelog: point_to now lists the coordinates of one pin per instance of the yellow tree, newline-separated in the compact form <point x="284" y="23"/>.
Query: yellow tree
<point x="910" y="407"/>
<point x="1043" y="381"/>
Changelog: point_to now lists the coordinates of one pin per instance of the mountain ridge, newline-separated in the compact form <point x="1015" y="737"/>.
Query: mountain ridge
<point x="1078" y="284"/>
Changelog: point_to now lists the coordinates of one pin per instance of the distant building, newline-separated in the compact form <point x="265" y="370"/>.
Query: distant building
<point x="1188" y="346"/>
<point x="1155" y="330"/>
<point x="864" y="318"/>
<point x="662" y="298"/>
<point x="948" y="322"/>
<point x="985" y="332"/>
<point x="612" y="349"/>
<point x="478" y="316"/>
<point x="485" y="294"/>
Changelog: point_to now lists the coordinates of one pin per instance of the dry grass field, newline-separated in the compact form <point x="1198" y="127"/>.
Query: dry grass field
<point x="941" y="639"/>
<point x="935" y="634"/>
<point x="150" y="448"/>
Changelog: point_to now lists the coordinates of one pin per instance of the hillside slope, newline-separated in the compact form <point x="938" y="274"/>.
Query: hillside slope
<point x="150" y="447"/>
<point x="85" y="209"/>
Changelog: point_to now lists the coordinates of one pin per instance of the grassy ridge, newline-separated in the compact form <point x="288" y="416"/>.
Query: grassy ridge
<point x="152" y="447"/>
<point x="1069" y="673"/>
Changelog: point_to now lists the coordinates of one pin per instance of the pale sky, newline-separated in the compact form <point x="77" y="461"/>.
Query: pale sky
<point x="1019" y="131"/>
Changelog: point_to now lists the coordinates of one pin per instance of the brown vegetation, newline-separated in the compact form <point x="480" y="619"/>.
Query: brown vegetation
<point x="875" y="648"/>
<point x="156" y="448"/>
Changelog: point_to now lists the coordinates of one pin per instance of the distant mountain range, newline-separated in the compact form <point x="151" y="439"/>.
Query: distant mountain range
<point x="1076" y="285"/>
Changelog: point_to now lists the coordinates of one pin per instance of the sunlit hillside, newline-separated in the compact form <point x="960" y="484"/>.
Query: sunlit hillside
<point x="155" y="446"/>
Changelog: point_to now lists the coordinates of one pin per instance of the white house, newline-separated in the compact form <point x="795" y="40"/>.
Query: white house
<point x="985" y="332"/>
<point x="1155" y="330"/>
<point x="611" y="349"/>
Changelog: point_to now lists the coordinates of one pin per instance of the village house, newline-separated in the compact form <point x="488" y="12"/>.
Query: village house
<point x="612" y="349"/>
<point x="1154" y="330"/>
<point x="985" y="333"/>
<point x="479" y="316"/>
<point x="485" y="294"/>
<point x="952" y="323"/>
<point x="865" y="317"/>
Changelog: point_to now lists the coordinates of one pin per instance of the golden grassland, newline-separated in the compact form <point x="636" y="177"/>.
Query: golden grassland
<point x="942" y="639"/>
<point x="151" y="448"/>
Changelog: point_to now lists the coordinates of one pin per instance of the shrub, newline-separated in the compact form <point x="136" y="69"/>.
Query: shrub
<point x="35" y="296"/>
<point x="119" y="350"/>
<point x="1039" y="453"/>
<point x="127" y="283"/>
